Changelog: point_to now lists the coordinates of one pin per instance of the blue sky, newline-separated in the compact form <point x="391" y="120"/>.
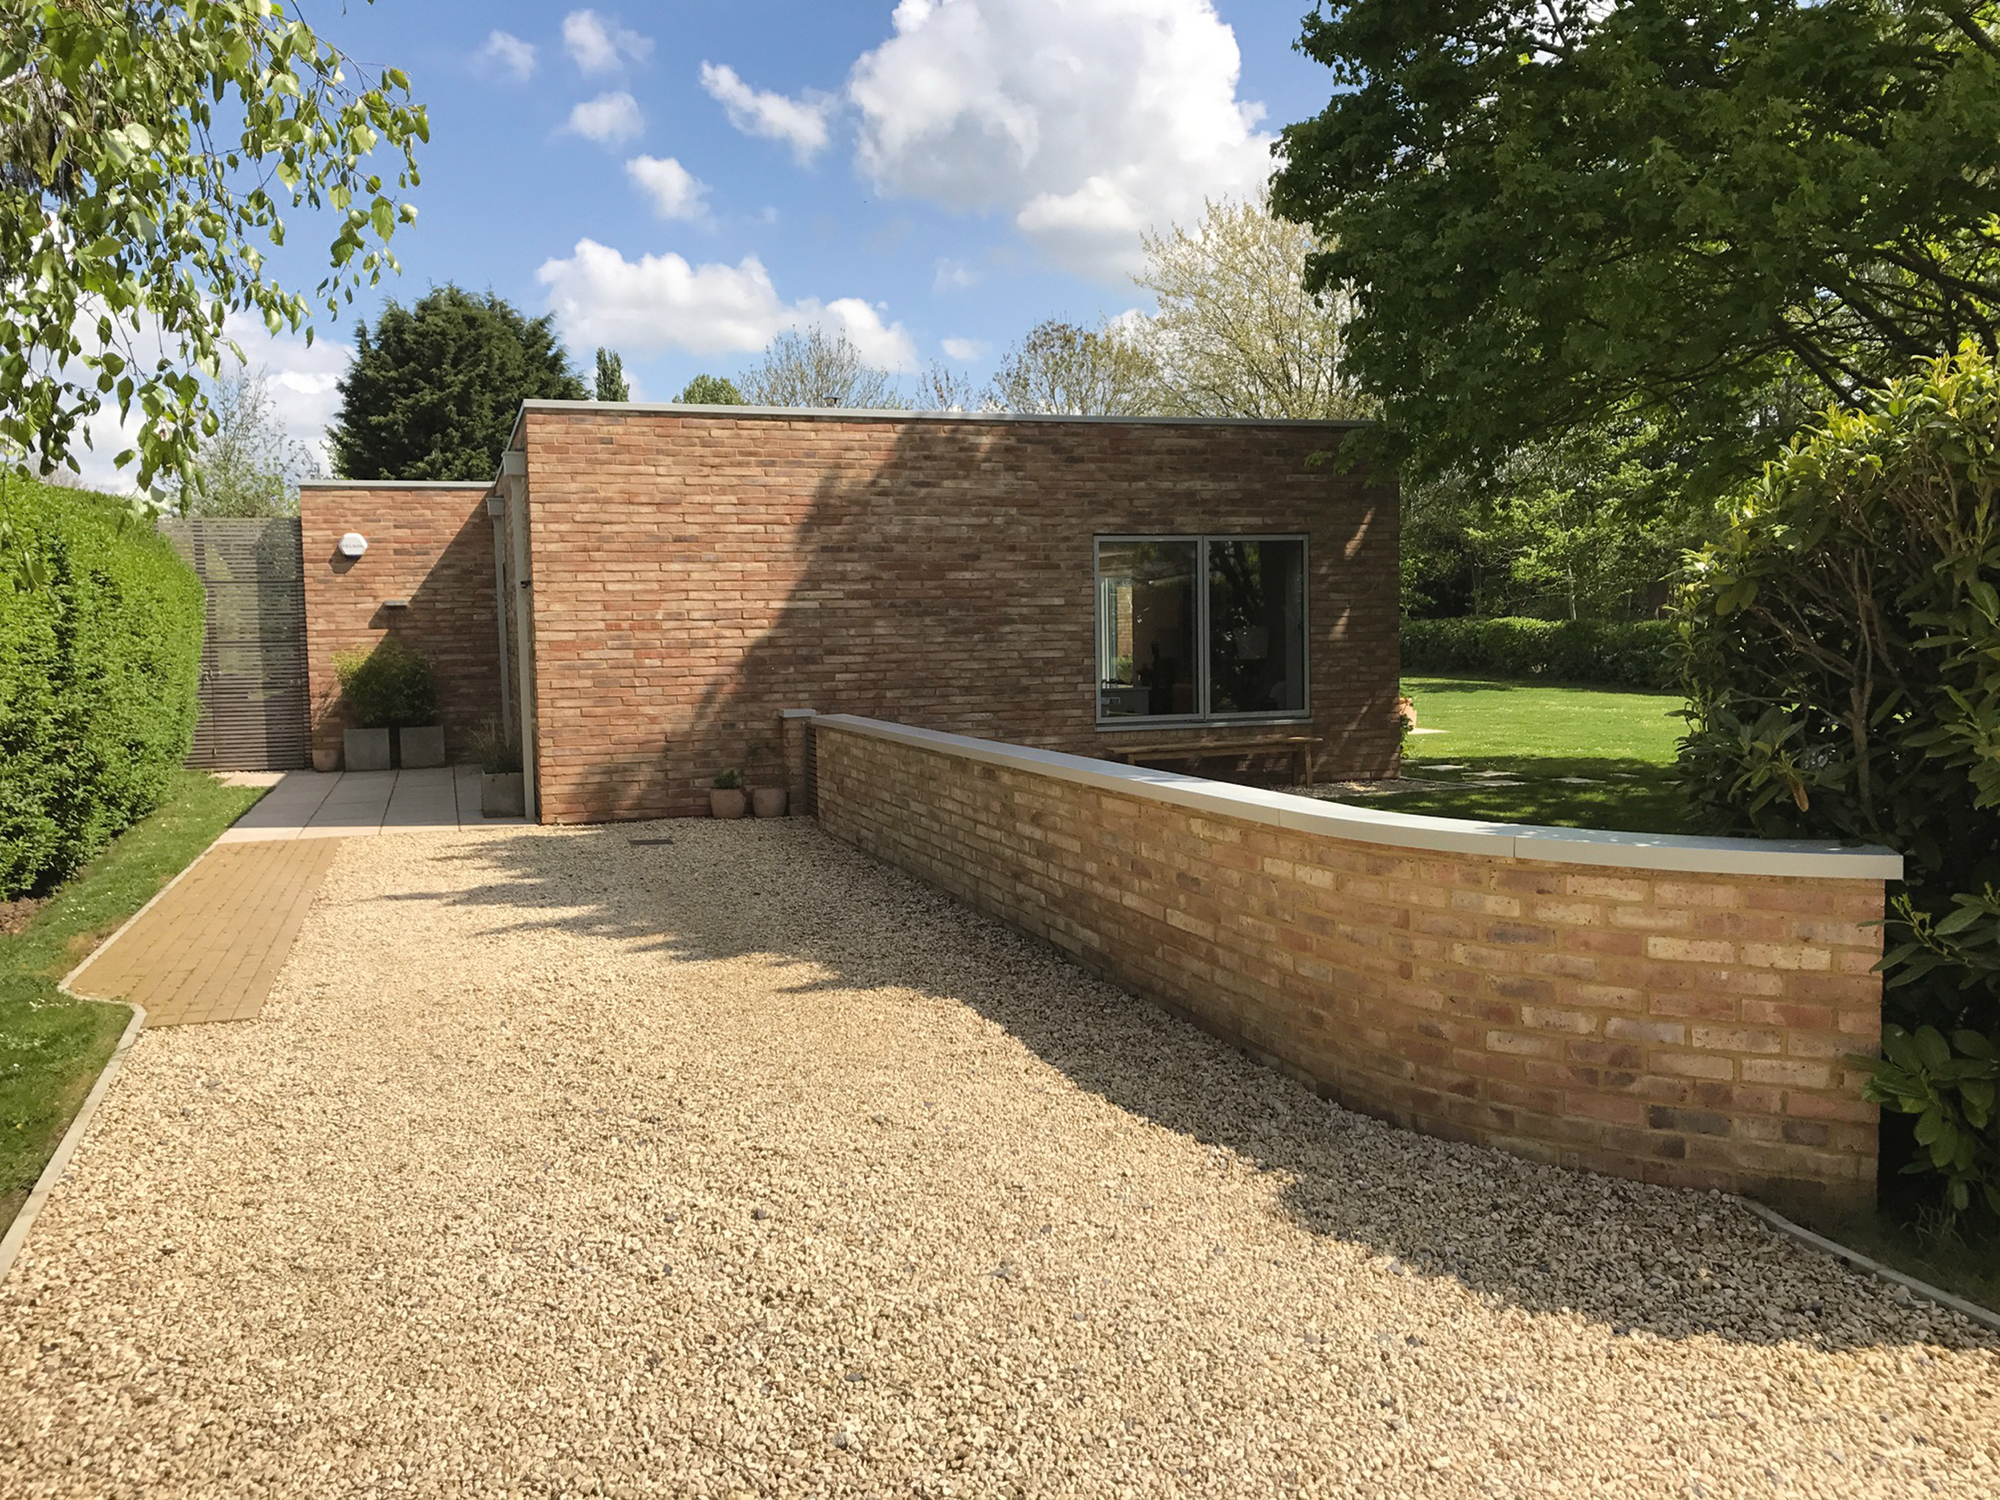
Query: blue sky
<point x="682" y="181"/>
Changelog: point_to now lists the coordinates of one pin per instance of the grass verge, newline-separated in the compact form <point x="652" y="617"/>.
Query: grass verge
<point x="52" y="1047"/>
<point x="1573" y="757"/>
<point x="1968" y="1268"/>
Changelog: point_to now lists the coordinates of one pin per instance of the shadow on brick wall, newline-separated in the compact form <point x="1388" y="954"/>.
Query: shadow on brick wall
<point x="951" y="586"/>
<point x="830" y="922"/>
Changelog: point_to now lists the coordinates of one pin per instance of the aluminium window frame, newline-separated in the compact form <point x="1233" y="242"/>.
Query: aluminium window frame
<point x="1204" y="716"/>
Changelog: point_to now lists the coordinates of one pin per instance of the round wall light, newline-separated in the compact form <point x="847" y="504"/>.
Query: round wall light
<point x="353" y="544"/>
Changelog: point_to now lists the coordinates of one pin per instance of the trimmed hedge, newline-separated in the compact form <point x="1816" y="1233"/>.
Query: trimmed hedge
<point x="100" y="671"/>
<point x="1630" y="653"/>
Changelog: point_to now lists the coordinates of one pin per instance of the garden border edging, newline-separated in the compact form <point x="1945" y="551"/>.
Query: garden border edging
<point x="58" y="1164"/>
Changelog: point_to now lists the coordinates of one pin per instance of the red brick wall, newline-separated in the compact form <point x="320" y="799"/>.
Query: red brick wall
<point x="429" y="544"/>
<point x="1687" y="1029"/>
<point x="695" y="574"/>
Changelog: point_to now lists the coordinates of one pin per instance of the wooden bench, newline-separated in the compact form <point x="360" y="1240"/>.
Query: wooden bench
<point x="1194" y="747"/>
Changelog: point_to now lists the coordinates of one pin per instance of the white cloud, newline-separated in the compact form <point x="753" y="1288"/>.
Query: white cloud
<point x="801" y="121"/>
<point x="1088" y="121"/>
<point x="953" y="276"/>
<point x="509" y="54"/>
<point x="661" y="302"/>
<point x="675" y="192"/>
<point x="598" y="46"/>
<point x="300" y="380"/>
<point x="609" y="119"/>
<point x="964" y="350"/>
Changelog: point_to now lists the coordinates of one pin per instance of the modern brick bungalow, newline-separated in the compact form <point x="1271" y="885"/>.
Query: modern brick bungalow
<point x="646" y="590"/>
<point x="651" y="594"/>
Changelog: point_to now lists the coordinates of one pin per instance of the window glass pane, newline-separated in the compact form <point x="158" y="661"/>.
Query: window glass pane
<point x="1146" y="628"/>
<point x="1256" y="627"/>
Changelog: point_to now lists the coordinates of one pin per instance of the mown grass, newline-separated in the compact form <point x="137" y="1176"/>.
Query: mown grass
<point x="52" y="1047"/>
<point x="1578" y="757"/>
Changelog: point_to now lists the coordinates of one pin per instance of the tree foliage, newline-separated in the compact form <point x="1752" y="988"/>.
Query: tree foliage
<point x="1588" y="527"/>
<point x="1237" y="334"/>
<point x="250" y="465"/>
<point x="1553" y="212"/>
<point x="148" y="153"/>
<point x="1064" y="369"/>
<point x="611" y="384"/>
<point x="815" y="367"/>
<point x="434" y="388"/>
<point x="1843" y="660"/>
<point x="710" y="390"/>
<point x="941" y="388"/>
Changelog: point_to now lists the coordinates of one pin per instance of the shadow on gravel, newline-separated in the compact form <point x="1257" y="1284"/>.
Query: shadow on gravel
<point x="1635" y="1258"/>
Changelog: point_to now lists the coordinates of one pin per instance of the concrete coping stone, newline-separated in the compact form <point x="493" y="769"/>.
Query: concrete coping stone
<point x="897" y="414"/>
<point x="395" y="484"/>
<point x="1670" y="853"/>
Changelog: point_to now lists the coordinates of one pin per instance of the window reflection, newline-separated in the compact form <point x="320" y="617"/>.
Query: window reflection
<point x="1146" y="609"/>
<point x="1256" y="627"/>
<point x="1201" y="627"/>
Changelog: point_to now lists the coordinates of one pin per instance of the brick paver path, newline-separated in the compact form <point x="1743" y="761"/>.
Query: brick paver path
<point x="210" y="947"/>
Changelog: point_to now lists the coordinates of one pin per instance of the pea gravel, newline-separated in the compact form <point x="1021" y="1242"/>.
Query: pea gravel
<point x="737" y="1165"/>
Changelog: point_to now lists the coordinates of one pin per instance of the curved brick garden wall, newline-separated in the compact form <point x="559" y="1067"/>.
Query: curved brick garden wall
<point x="1681" y="1011"/>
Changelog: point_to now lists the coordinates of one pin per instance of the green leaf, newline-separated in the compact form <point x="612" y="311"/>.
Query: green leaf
<point x="1932" y="1127"/>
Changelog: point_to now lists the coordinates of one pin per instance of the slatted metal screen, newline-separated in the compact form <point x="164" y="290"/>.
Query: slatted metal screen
<point x="253" y="656"/>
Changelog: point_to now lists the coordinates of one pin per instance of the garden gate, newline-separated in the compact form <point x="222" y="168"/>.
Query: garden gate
<point x="253" y="653"/>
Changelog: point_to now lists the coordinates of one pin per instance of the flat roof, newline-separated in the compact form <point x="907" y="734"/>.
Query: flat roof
<point x="894" y="414"/>
<point x="881" y="414"/>
<point x="395" y="484"/>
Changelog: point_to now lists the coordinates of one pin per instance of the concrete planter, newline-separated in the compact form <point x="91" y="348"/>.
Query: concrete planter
<point x="325" y="758"/>
<point x="502" y="794"/>
<point x="422" y="746"/>
<point x="366" y="749"/>
<point x="727" y="803"/>
<point x="769" y="801"/>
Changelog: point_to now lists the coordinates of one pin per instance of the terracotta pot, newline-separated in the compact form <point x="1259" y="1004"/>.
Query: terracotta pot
<point x="727" y="804"/>
<point x="769" y="801"/>
<point x="325" y="759"/>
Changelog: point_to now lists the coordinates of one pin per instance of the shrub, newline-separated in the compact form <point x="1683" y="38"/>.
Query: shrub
<point x="1842" y="651"/>
<point x="100" y="669"/>
<point x="1633" y="653"/>
<point x="387" y="688"/>
<point x="497" y="754"/>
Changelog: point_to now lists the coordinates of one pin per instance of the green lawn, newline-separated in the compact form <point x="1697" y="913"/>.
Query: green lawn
<point x="1580" y="757"/>
<point x="52" y="1047"/>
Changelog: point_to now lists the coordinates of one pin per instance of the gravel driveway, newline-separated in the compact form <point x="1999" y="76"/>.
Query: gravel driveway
<point x="578" y="1162"/>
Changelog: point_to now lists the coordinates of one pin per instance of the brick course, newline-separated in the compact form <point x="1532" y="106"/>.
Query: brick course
<point x="1507" y="1002"/>
<point x="431" y="545"/>
<point x="695" y="574"/>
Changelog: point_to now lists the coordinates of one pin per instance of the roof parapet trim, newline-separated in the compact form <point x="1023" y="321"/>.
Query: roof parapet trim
<point x="876" y="414"/>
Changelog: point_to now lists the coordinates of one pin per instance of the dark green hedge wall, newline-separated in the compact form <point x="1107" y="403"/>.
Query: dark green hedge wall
<point x="1629" y="653"/>
<point x="99" y="674"/>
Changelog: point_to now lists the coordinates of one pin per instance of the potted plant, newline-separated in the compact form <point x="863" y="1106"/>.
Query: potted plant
<point x="389" y="689"/>
<point x="725" y="797"/>
<point x="768" y="796"/>
<point x="502" y="788"/>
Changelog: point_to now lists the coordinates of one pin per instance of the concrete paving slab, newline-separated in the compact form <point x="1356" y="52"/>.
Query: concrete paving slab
<point x="360" y="804"/>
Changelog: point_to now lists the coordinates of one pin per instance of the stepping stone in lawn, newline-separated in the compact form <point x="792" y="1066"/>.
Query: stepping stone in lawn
<point x="1579" y="781"/>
